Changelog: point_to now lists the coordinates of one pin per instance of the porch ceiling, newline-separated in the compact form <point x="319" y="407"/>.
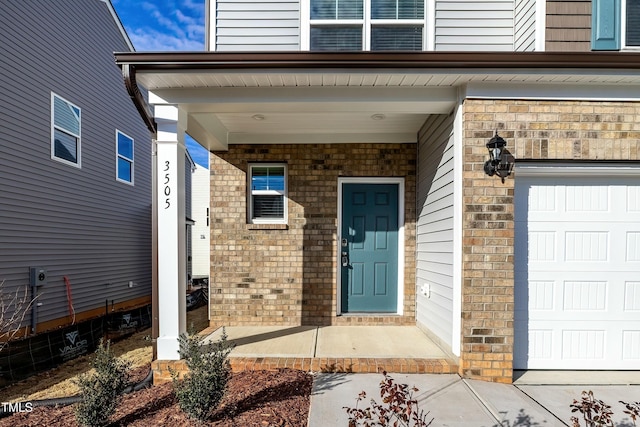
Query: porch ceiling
<point x="284" y="98"/>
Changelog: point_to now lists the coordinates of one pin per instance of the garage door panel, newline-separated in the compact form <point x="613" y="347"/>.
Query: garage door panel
<point x="579" y="299"/>
<point x="632" y="296"/>
<point x="573" y="243"/>
<point x="587" y="347"/>
<point x="632" y="247"/>
<point x="577" y="273"/>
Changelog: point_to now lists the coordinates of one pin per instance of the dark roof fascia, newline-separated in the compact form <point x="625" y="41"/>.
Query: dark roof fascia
<point x="183" y="61"/>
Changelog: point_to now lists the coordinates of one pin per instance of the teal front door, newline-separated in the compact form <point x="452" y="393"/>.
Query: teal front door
<point x="369" y="248"/>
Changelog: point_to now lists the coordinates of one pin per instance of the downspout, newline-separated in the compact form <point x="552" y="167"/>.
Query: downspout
<point x="129" y="74"/>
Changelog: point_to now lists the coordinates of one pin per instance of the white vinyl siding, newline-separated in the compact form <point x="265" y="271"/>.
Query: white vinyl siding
<point x="474" y="25"/>
<point x="435" y="228"/>
<point x="242" y="25"/>
<point x="525" y="25"/>
<point x="200" y="230"/>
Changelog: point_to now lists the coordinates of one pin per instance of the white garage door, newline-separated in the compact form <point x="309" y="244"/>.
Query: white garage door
<point x="577" y="279"/>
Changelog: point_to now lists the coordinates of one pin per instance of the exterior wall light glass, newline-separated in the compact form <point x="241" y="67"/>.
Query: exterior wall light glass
<point x="497" y="163"/>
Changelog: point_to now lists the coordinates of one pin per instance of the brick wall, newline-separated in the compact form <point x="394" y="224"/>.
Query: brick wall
<point x="286" y="275"/>
<point x="578" y="131"/>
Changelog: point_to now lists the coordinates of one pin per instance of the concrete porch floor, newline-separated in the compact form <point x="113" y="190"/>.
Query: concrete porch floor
<point x="357" y="349"/>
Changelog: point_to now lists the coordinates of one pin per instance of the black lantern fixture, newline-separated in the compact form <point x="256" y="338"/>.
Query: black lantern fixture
<point x="497" y="164"/>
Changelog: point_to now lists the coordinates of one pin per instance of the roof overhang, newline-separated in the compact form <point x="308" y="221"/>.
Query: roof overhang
<point x="292" y="97"/>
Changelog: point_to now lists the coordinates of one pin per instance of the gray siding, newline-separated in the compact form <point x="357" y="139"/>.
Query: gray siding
<point x="255" y="25"/>
<point x="474" y="25"/>
<point x="525" y="25"/>
<point x="75" y="222"/>
<point x="434" y="252"/>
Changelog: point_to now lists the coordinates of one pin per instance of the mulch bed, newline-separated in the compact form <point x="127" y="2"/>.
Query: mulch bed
<point x="253" y="398"/>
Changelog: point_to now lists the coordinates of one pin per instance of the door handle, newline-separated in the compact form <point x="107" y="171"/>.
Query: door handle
<point x="345" y="259"/>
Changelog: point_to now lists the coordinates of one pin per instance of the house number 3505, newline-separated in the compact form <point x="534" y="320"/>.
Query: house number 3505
<point x="167" y="188"/>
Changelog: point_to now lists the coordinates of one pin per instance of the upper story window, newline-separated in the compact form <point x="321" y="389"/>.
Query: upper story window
<point x="366" y="25"/>
<point x="632" y="23"/>
<point x="615" y="24"/>
<point x="268" y="193"/>
<point x="65" y="131"/>
<point x="124" y="157"/>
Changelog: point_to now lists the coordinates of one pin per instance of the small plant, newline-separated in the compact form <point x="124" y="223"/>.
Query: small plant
<point x="633" y="410"/>
<point x="204" y="385"/>
<point x="100" y="390"/>
<point x="594" y="411"/>
<point x="399" y="408"/>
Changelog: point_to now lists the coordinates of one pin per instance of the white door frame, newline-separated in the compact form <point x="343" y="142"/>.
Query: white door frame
<point x="401" y="248"/>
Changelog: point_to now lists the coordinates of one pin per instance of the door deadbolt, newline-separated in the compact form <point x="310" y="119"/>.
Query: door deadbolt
<point x="345" y="259"/>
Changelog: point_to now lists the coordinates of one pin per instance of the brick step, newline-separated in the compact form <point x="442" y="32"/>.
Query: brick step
<point x="161" y="368"/>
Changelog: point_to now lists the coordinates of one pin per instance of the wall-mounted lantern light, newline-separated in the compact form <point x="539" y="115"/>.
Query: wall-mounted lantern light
<point x="497" y="163"/>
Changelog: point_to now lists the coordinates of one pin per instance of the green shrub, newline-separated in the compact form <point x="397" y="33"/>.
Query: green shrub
<point x="204" y="385"/>
<point x="101" y="390"/>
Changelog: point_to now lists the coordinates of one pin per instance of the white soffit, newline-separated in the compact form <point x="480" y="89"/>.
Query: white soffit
<point x="396" y="78"/>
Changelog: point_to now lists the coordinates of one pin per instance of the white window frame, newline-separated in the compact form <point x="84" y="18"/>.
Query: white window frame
<point x="130" y="160"/>
<point x="251" y="193"/>
<point x="78" y="136"/>
<point x="366" y="23"/>
<point x="623" y="27"/>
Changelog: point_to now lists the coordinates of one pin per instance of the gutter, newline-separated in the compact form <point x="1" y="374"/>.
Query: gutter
<point x="129" y="74"/>
<point x="182" y="61"/>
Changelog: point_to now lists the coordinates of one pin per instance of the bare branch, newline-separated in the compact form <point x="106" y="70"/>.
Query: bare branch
<point x="14" y="307"/>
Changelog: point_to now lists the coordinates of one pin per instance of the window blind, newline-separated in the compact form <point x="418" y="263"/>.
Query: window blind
<point x="633" y="23"/>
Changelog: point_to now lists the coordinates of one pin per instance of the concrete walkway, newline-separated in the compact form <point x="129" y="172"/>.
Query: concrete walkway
<point x="455" y="402"/>
<point x="349" y="349"/>
<point x="346" y="360"/>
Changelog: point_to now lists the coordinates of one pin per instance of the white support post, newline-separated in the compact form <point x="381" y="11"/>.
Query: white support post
<point x="170" y="208"/>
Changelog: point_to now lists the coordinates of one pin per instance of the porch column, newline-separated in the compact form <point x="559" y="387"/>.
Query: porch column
<point x="171" y="232"/>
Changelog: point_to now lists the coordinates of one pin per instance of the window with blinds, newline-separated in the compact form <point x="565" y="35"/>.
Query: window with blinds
<point x="366" y="25"/>
<point x="267" y="193"/>
<point x="633" y="23"/>
<point x="65" y="131"/>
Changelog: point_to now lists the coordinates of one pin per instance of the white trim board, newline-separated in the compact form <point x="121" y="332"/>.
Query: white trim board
<point x="577" y="169"/>
<point x="554" y="91"/>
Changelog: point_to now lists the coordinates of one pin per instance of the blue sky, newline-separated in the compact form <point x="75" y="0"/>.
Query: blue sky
<point x="166" y="25"/>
